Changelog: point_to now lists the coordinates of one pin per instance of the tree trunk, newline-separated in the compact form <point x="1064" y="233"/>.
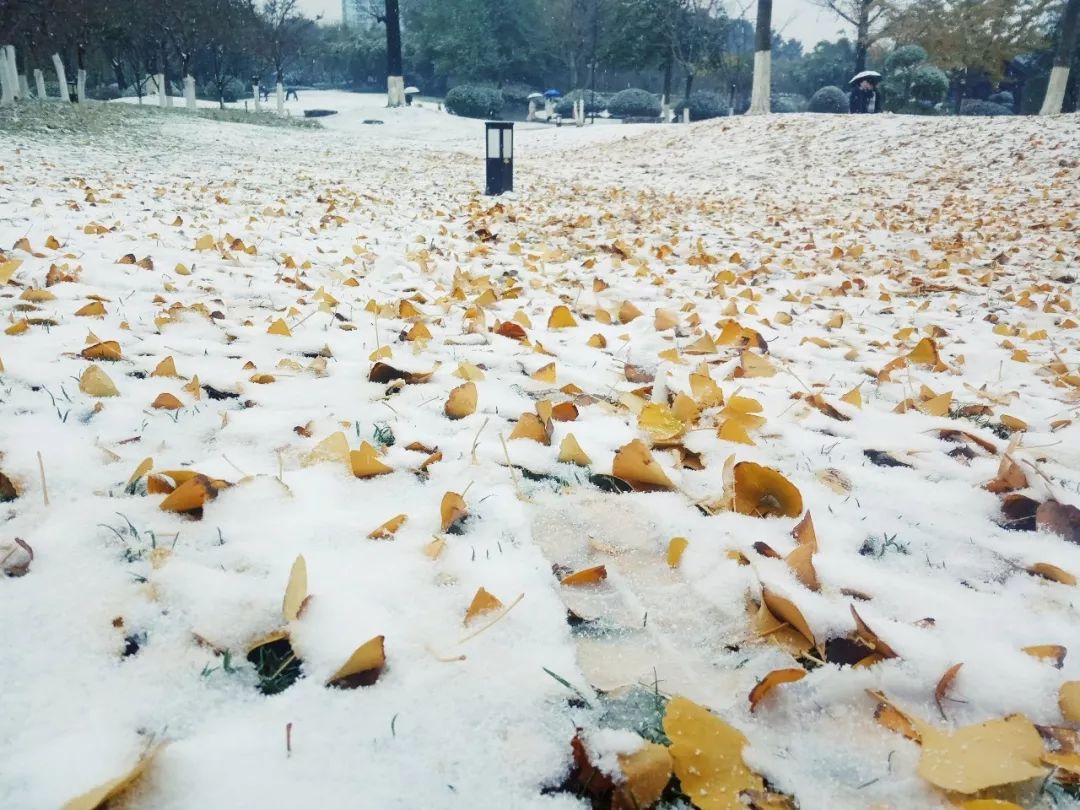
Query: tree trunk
<point x="7" y="93"/>
<point x="39" y="83"/>
<point x="118" y="73"/>
<point x="862" y="36"/>
<point x="759" y="97"/>
<point x="687" y="85"/>
<point x="665" y="99"/>
<point x="162" y="93"/>
<point x="961" y="82"/>
<point x="80" y="86"/>
<point x="1059" y="76"/>
<point x="189" y="92"/>
<point x="61" y="77"/>
<point x="395" y="80"/>
<point x="13" y="70"/>
<point x="280" y="92"/>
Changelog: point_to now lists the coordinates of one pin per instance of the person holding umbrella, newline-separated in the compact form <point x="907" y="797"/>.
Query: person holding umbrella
<point x="865" y="96"/>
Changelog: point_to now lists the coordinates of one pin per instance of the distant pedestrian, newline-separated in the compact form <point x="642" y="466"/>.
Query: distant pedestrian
<point x="865" y="96"/>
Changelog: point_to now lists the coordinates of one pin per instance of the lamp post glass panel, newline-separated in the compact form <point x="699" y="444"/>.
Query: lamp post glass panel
<point x="500" y="157"/>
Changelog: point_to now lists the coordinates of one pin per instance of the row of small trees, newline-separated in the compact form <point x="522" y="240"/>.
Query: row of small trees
<point x="126" y="43"/>
<point x="964" y="35"/>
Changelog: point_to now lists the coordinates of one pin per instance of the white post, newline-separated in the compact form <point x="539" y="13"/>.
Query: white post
<point x="686" y="114"/>
<point x="189" y="91"/>
<point x="1055" y="90"/>
<point x="759" y="96"/>
<point x="6" y="94"/>
<point x="280" y="90"/>
<point x="159" y="81"/>
<point x="80" y="86"/>
<point x="255" y="95"/>
<point x="61" y="77"/>
<point x="39" y="83"/>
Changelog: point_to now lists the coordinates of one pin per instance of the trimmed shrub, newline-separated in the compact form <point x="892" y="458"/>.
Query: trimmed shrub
<point x="829" y="99"/>
<point x="473" y="101"/>
<point x="1004" y="98"/>
<point x="703" y="104"/>
<point x="595" y="103"/>
<point x="928" y="84"/>
<point x="974" y="106"/>
<point x="904" y="57"/>
<point x="788" y="103"/>
<point x="516" y="93"/>
<point x="634" y="103"/>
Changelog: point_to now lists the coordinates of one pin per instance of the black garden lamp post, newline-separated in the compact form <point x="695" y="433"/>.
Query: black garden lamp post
<point x="500" y="157"/>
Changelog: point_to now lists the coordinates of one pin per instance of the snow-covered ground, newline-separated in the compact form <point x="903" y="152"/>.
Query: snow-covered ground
<point x="845" y="243"/>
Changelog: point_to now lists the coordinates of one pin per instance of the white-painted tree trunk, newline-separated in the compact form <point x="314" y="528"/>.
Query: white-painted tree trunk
<point x="80" y="86"/>
<point x="7" y="95"/>
<point x="162" y="92"/>
<point x="532" y="111"/>
<point x="1055" y="91"/>
<point x="13" y="72"/>
<point x="61" y="77"/>
<point x="759" y="98"/>
<point x="665" y="110"/>
<point x="395" y="91"/>
<point x="255" y="96"/>
<point x="686" y="115"/>
<point x="39" y="83"/>
<point x="24" y="86"/>
<point x="280" y="92"/>
<point x="189" y="92"/>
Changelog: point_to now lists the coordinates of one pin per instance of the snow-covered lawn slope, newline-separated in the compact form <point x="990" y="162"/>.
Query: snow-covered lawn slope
<point x="836" y="278"/>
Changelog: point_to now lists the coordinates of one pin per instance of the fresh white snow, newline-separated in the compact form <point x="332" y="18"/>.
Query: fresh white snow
<point x="477" y="723"/>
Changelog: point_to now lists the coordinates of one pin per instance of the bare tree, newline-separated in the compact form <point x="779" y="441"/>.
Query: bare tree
<point x="864" y="15"/>
<point x="1063" y="56"/>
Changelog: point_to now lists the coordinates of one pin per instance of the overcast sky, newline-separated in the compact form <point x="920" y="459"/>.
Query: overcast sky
<point x="798" y="19"/>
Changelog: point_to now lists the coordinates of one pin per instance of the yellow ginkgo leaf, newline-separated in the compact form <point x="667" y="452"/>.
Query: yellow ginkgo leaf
<point x="8" y="268"/>
<point x="973" y="758"/>
<point x="561" y="318"/>
<point x="570" y="452"/>
<point x="166" y="402"/>
<point x="204" y="242"/>
<point x="106" y="350"/>
<point x="334" y="447"/>
<point x="461" y="402"/>
<point x="363" y="667"/>
<point x="531" y="426"/>
<point x="660" y="423"/>
<point x="95" y="309"/>
<point x="388" y="529"/>
<point x="365" y="462"/>
<point x="482" y="602"/>
<point x="635" y="465"/>
<point x="1069" y="701"/>
<point x="545" y="374"/>
<point x="645" y="776"/>
<point x="675" y="551"/>
<point x="754" y="365"/>
<point x="104" y="794"/>
<point x="166" y="368"/>
<point x="925" y="353"/>
<point x="279" y="327"/>
<point x="296" y="590"/>
<point x="787" y="611"/>
<point x="467" y="371"/>
<point x="853" y="397"/>
<point x="144" y="467"/>
<point x="707" y="753"/>
<point x="764" y="492"/>
<point x="628" y="312"/>
<point x="96" y="383"/>
<point x="452" y="510"/>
